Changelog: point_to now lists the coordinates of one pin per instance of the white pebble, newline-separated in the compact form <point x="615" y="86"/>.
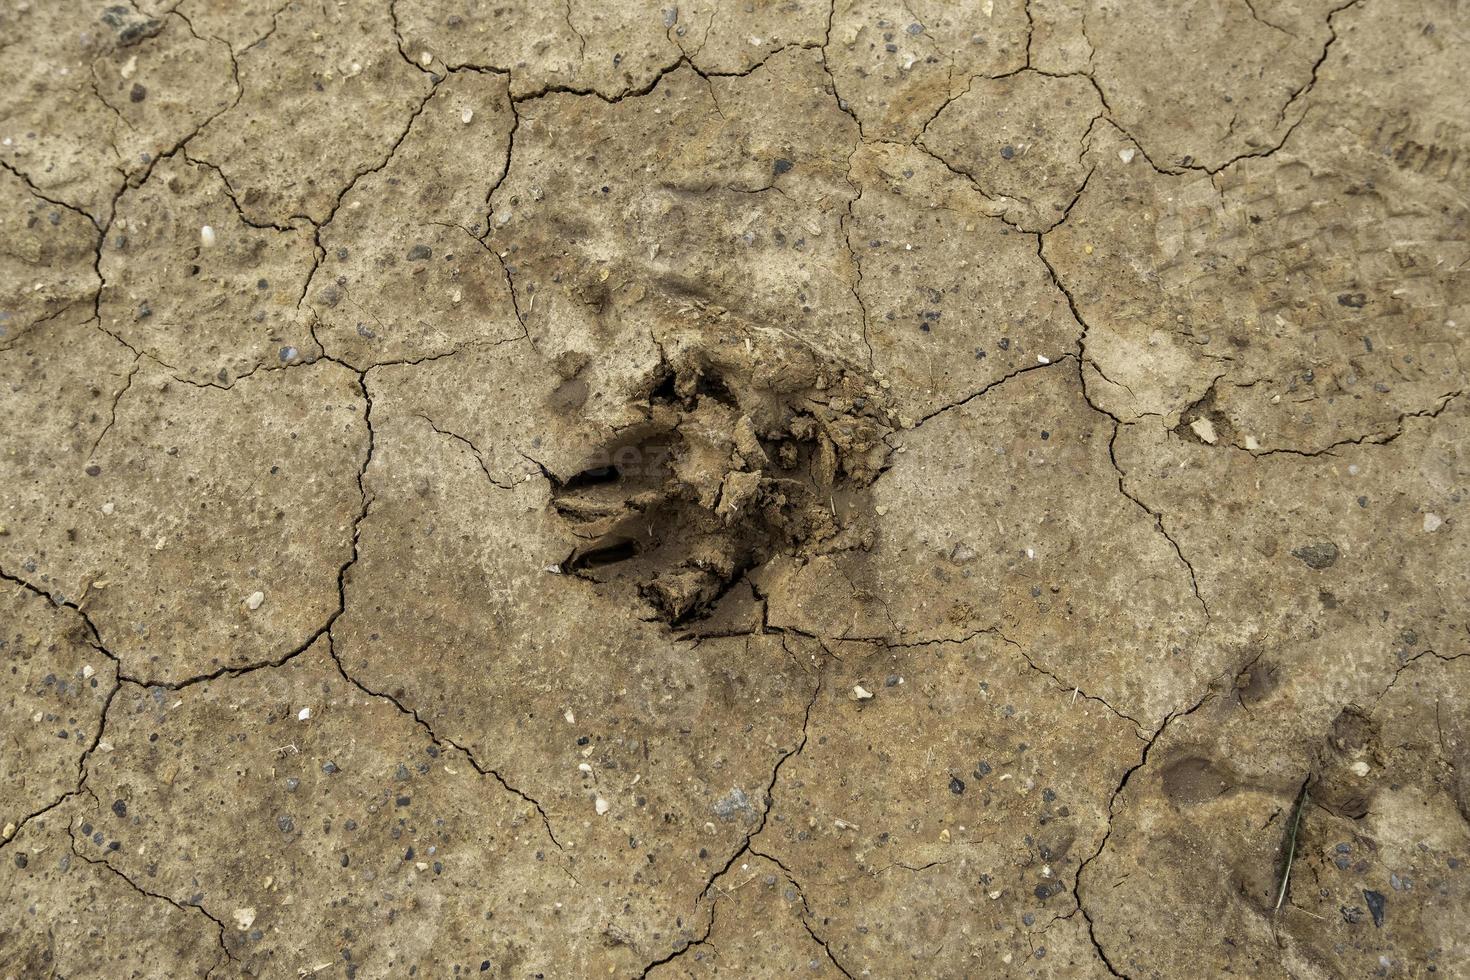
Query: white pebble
<point x="1359" y="768"/>
<point x="466" y="116"/>
<point x="304" y="714"/>
<point x="87" y="672"/>
<point x="1432" y="522"/>
<point x="1126" y="155"/>
<point x="206" y="236"/>
<point x="244" y="918"/>
<point x="253" y="601"/>
<point x="108" y="508"/>
<point x="1042" y="359"/>
<point x="1205" y="429"/>
<point x="425" y="58"/>
<point x="602" y="806"/>
<point x="860" y="693"/>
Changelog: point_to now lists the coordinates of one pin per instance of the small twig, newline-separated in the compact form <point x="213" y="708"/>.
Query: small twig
<point x="1296" y="823"/>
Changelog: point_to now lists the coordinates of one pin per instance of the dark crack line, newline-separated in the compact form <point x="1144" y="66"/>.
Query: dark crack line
<point x="1108" y="833"/>
<point x="444" y="741"/>
<point x="275" y="24"/>
<point x="1406" y="664"/>
<point x="807" y="915"/>
<point x="831" y="957"/>
<point x="104" y="863"/>
<point x="806" y="910"/>
<point x="57" y="599"/>
<point x="769" y="795"/>
<point x="845" y="221"/>
<point x="1306" y="88"/>
<point x="1039" y="366"/>
<point x="86" y="755"/>
<point x="235" y="200"/>
<point x="510" y="147"/>
<point x="342" y="573"/>
<point x="681" y="948"/>
<point x="479" y="456"/>
<point x="321" y="251"/>
<point x="1367" y="439"/>
<point x="116" y="399"/>
<point x="36" y="192"/>
<point x="1158" y="519"/>
<point x="1157" y="516"/>
<point x="400" y="44"/>
<point x="1256" y="16"/>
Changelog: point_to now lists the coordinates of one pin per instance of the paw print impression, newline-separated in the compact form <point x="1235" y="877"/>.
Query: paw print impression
<point x="742" y="459"/>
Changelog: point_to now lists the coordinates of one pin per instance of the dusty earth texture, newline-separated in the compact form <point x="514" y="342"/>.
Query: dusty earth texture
<point x="750" y="487"/>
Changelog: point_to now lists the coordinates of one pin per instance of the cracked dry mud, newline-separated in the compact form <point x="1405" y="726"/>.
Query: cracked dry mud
<point x="749" y="487"/>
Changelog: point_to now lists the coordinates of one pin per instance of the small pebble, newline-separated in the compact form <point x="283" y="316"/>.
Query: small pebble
<point x="1205" y="430"/>
<point x="466" y="115"/>
<point x="206" y="236"/>
<point x="1432" y="523"/>
<point x="253" y="601"/>
<point x="1377" y="906"/>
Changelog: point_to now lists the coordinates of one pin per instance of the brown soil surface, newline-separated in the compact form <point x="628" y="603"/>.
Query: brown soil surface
<point x="747" y="487"/>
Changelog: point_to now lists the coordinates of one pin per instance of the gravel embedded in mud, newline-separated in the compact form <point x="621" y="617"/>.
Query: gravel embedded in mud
<point x="847" y="489"/>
